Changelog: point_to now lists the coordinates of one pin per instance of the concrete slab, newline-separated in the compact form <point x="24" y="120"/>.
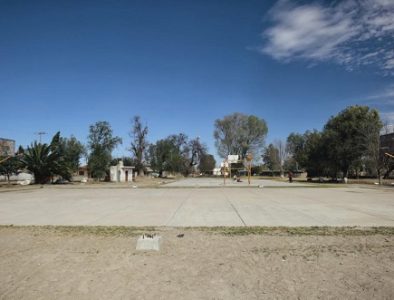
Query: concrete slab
<point x="346" y="206"/>
<point x="146" y="243"/>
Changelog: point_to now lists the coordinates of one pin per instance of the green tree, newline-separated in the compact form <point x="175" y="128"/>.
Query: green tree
<point x="46" y="160"/>
<point x="296" y="148"/>
<point x="127" y="161"/>
<point x="316" y="162"/>
<point x="73" y="150"/>
<point x="9" y="166"/>
<point x="349" y="135"/>
<point x="207" y="164"/>
<point x="290" y="164"/>
<point x="271" y="158"/>
<point x="239" y="134"/>
<point x="101" y="143"/>
<point x="139" y="144"/>
<point x="166" y="154"/>
<point x="176" y="154"/>
<point x="308" y="152"/>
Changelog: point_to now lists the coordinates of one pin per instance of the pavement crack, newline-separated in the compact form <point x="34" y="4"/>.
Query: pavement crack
<point x="178" y="208"/>
<point x="235" y="209"/>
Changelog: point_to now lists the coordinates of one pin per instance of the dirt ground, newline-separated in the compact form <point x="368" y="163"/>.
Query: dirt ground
<point x="44" y="263"/>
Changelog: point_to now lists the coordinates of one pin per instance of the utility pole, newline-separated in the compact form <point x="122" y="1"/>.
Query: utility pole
<point x="40" y="134"/>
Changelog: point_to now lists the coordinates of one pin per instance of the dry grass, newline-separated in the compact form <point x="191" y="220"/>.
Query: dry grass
<point x="228" y="231"/>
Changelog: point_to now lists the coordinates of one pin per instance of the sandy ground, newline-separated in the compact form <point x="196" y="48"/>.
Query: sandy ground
<point x="47" y="264"/>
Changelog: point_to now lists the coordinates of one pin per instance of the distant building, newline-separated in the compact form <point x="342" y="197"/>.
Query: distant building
<point x="121" y="173"/>
<point x="387" y="143"/>
<point x="82" y="175"/>
<point x="7" y="147"/>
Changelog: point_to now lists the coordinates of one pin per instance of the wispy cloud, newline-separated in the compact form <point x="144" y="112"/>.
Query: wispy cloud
<point x="385" y="97"/>
<point x="352" y="33"/>
<point x="388" y="118"/>
<point x="384" y="102"/>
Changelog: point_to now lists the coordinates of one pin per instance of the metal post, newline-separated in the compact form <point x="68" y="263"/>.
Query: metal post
<point x="40" y="134"/>
<point x="249" y="158"/>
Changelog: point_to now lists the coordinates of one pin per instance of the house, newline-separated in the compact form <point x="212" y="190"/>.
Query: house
<point x="121" y="173"/>
<point x="82" y="175"/>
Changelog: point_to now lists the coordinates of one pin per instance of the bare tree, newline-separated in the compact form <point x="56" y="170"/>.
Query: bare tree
<point x="387" y="128"/>
<point x="197" y="150"/>
<point x="139" y="144"/>
<point x="283" y="154"/>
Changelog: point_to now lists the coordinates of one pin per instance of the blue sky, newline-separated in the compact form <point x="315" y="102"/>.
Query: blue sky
<point x="182" y="64"/>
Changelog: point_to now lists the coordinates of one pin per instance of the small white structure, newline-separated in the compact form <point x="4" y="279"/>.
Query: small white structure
<point x="232" y="159"/>
<point x="149" y="242"/>
<point x="18" y="177"/>
<point x="217" y="171"/>
<point x="121" y="173"/>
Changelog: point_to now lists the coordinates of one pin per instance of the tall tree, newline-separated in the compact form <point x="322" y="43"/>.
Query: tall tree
<point x="345" y="135"/>
<point x="271" y="158"/>
<point x="296" y="148"/>
<point x="73" y="151"/>
<point x="139" y="144"/>
<point x="176" y="154"/>
<point x="197" y="150"/>
<point x="169" y="154"/>
<point x="207" y="164"/>
<point x="316" y="162"/>
<point x="308" y="152"/>
<point x="374" y="153"/>
<point x="239" y="134"/>
<point x="101" y="143"/>
<point x="282" y="153"/>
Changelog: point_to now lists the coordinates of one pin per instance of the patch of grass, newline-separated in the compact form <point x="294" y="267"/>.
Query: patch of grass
<point x="228" y="231"/>
<point x="93" y="230"/>
<point x="313" y="230"/>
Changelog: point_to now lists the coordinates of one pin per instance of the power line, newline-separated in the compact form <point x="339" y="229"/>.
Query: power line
<point x="40" y="134"/>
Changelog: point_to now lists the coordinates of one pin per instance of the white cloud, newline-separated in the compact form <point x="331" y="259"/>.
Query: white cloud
<point x="387" y="118"/>
<point x="385" y="97"/>
<point x="352" y="33"/>
<point x="384" y="101"/>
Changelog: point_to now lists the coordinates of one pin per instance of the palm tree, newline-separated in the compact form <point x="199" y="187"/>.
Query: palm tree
<point x="46" y="161"/>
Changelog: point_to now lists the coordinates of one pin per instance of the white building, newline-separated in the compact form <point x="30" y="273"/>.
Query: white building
<point x="217" y="171"/>
<point x="121" y="173"/>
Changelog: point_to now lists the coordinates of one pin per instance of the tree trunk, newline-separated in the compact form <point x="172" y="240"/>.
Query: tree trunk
<point x="141" y="172"/>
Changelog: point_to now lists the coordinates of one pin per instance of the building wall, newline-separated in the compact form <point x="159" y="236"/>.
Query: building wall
<point x="387" y="143"/>
<point x="118" y="173"/>
<point x="7" y="147"/>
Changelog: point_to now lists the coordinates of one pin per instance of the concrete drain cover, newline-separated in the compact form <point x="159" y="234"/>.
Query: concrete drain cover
<point x="149" y="242"/>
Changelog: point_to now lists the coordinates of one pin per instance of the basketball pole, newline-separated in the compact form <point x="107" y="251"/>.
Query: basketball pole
<point x="249" y="158"/>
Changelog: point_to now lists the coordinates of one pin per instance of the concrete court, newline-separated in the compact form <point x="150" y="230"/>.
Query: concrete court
<point x="347" y="206"/>
<point x="219" y="182"/>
